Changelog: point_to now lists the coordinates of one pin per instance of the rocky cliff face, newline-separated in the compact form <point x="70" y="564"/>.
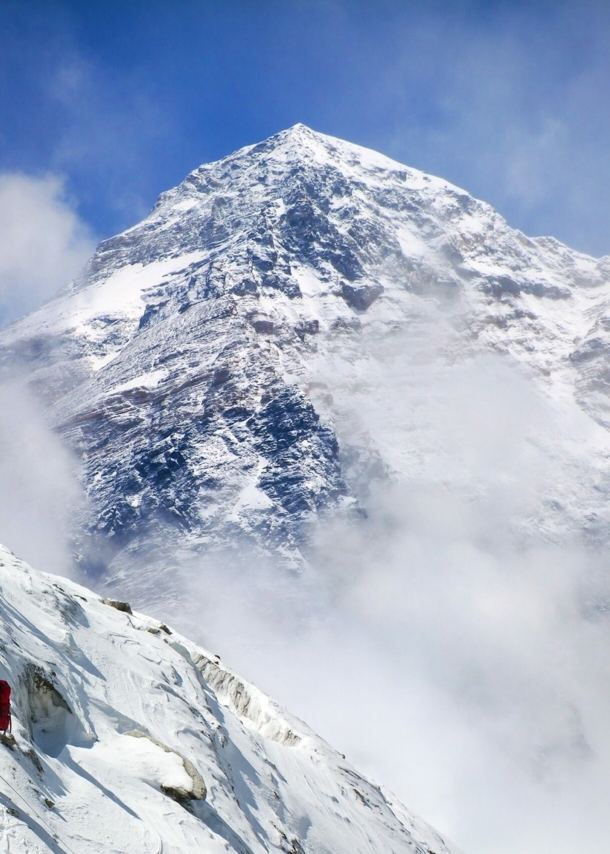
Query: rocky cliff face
<point x="212" y="364"/>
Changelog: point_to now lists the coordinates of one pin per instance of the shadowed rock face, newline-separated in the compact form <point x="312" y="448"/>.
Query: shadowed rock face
<point x="186" y="364"/>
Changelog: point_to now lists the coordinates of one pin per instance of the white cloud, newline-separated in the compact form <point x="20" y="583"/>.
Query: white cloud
<point x="445" y="644"/>
<point x="39" y="489"/>
<point x="43" y="242"/>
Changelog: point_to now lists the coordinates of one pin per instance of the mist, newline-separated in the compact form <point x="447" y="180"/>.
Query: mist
<point x="43" y="241"/>
<point x="40" y="493"/>
<point x="454" y="642"/>
<point x="451" y="641"/>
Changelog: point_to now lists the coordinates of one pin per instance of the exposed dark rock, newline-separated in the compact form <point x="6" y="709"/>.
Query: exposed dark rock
<point x="307" y="327"/>
<point x="360" y="297"/>
<point x="263" y="327"/>
<point x="120" y="606"/>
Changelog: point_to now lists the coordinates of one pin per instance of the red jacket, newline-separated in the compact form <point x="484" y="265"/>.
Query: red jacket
<point x="5" y="705"/>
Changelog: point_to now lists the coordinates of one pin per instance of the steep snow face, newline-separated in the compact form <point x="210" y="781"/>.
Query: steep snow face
<point x="247" y="360"/>
<point x="128" y="738"/>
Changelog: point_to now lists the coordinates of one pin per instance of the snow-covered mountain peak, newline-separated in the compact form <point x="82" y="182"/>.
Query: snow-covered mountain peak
<point x="242" y="363"/>
<point x="300" y="143"/>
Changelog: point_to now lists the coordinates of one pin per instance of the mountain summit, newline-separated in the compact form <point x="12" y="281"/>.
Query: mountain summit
<point x="212" y="364"/>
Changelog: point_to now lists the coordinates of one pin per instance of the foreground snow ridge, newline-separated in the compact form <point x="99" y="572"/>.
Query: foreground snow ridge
<point x="129" y="738"/>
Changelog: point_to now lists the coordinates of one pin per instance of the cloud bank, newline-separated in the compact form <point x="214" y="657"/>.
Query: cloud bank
<point x="452" y="645"/>
<point x="43" y="242"/>
<point x="39" y="489"/>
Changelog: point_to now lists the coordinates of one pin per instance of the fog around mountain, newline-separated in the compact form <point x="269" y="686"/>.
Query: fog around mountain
<point x="335" y="419"/>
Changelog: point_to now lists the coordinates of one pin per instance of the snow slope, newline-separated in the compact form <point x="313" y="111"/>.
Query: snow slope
<point x="283" y="331"/>
<point x="129" y="738"/>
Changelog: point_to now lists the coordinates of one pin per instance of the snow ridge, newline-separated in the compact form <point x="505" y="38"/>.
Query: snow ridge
<point x="127" y="737"/>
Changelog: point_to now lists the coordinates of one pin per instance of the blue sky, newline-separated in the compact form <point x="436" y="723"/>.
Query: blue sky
<point x="121" y="99"/>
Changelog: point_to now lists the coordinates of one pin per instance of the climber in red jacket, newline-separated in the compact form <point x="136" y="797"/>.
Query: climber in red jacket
<point x="5" y="706"/>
